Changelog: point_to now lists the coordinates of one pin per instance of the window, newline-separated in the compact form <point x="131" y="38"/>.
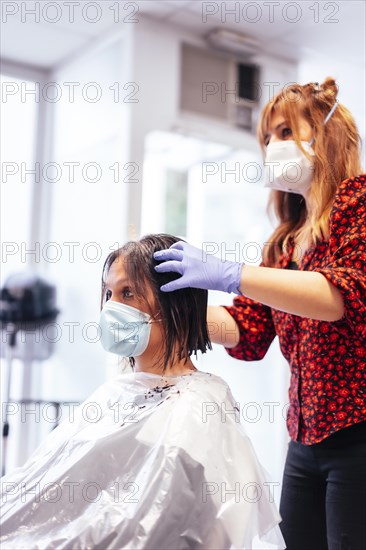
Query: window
<point x="17" y="138"/>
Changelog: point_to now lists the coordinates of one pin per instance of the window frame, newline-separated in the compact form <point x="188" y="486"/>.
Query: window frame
<point x="41" y="195"/>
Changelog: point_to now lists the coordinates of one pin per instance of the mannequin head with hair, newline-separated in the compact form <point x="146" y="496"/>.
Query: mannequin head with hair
<point x="337" y="147"/>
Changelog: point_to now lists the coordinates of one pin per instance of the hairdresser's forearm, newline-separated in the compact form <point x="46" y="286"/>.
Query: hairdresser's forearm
<point x="303" y="293"/>
<point x="222" y="327"/>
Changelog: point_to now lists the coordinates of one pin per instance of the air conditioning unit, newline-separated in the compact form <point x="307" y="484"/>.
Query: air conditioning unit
<point x="232" y="41"/>
<point x="219" y="85"/>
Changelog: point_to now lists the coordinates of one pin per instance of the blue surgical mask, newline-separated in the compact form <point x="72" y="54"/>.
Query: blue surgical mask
<point x="125" y="329"/>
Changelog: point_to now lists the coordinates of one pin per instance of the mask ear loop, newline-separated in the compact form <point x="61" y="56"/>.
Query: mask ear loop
<point x="326" y="119"/>
<point x="153" y="320"/>
<point x="331" y="112"/>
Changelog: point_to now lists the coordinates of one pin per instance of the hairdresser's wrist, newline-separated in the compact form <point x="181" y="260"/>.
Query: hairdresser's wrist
<point x="231" y="277"/>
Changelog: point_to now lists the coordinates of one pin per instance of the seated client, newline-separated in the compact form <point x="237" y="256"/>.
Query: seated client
<point x="155" y="458"/>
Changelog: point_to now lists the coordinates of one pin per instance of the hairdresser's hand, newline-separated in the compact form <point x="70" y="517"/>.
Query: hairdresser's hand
<point x="198" y="269"/>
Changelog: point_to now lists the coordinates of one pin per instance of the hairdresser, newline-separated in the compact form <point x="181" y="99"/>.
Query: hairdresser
<point x="310" y="291"/>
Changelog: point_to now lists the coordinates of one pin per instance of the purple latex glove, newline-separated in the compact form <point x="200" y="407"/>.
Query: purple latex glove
<point x="198" y="269"/>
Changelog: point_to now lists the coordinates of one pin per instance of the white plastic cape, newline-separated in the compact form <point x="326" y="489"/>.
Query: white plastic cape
<point x="146" y="462"/>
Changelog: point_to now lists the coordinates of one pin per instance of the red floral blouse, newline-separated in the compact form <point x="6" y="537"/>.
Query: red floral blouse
<point x="327" y="359"/>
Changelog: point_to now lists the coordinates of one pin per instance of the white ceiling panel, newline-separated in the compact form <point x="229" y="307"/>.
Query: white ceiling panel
<point x="292" y="30"/>
<point x="90" y="22"/>
<point x="38" y="45"/>
<point x="159" y="9"/>
<point x="329" y="36"/>
<point x="88" y="18"/>
<point x="191" y="21"/>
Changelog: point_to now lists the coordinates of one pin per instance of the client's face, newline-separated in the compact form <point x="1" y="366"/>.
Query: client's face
<point x="120" y="289"/>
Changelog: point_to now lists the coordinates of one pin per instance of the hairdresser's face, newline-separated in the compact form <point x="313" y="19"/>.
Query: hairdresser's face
<point x="280" y="130"/>
<point x="119" y="289"/>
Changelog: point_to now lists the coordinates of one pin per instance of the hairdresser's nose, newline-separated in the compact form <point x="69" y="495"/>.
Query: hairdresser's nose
<point x="272" y="139"/>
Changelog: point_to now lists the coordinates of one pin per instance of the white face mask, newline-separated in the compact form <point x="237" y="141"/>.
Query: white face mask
<point x="286" y="168"/>
<point x="125" y="329"/>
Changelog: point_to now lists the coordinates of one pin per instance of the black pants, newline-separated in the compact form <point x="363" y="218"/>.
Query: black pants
<point x="323" y="500"/>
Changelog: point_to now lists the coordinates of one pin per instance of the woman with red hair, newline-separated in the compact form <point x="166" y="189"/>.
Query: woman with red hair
<point x="310" y="291"/>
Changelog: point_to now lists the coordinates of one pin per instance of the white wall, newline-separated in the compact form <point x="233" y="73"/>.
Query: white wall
<point x="89" y="219"/>
<point x="350" y="78"/>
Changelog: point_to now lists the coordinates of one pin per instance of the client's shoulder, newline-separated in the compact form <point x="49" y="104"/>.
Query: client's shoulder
<point x="206" y="384"/>
<point x="209" y="377"/>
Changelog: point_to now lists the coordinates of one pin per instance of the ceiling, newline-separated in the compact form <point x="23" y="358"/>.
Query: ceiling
<point x="338" y="32"/>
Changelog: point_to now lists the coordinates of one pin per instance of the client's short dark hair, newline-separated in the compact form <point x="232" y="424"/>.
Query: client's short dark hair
<point x="183" y="311"/>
